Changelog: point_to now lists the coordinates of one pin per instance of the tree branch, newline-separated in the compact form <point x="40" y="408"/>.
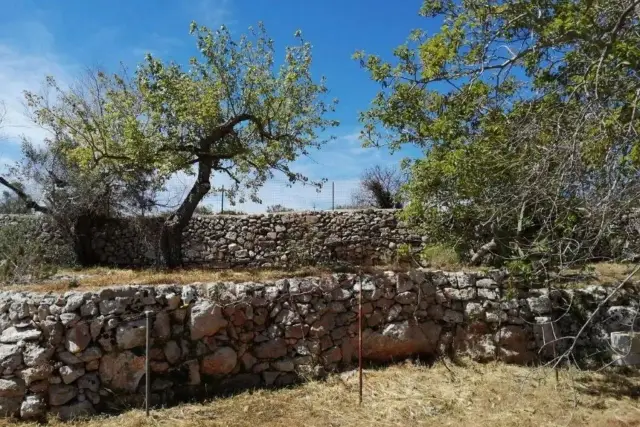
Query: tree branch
<point x="28" y="201"/>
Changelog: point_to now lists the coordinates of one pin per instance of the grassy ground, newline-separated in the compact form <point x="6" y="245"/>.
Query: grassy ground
<point x="91" y="278"/>
<point x="471" y="394"/>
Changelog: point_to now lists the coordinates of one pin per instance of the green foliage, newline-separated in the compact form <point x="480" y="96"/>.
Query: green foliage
<point x="232" y="106"/>
<point x="12" y="204"/>
<point x="404" y="252"/>
<point x="204" y="210"/>
<point x="278" y="208"/>
<point x="526" y="113"/>
<point x="440" y="256"/>
<point x="22" y="259"/>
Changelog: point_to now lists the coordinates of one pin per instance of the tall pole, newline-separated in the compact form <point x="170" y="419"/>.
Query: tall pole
<point x="333" y="195"/>
<point x="222" y="203"/>
<point x="360" y="343"/>
<point x="147" y="371"/>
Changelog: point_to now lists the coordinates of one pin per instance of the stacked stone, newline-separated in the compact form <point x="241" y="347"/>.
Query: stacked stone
<point x="299" y="238"/>
<point x="78" y="353"/>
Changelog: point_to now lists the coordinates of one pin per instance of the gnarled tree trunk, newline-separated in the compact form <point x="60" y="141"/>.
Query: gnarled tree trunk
<point x="171" y="233"/>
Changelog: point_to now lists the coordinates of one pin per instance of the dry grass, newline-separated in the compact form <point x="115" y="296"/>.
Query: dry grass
<point x="92" y="278"/>
<point x="493" y="395"/>
<point x="98" y="277"/>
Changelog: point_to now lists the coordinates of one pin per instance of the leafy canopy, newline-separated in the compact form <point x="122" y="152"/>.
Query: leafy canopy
<point x="232" y="108"/>
<point x="527" y="113"/>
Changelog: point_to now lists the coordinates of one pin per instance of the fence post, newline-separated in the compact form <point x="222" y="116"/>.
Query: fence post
<point x="147" y="371"/>
<point x="222" y="202"/>
<point x="333" y="195"/>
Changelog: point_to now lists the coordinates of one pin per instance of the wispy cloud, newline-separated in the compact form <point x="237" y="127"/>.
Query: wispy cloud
<point x="213" y="13"/>
<point x="24" y="67"/>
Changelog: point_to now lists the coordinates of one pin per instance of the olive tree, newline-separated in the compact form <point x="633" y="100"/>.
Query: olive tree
<point x="231" y="111"/>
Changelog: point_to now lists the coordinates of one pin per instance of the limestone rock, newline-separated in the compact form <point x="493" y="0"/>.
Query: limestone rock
<point x="33" y="407"/>
<point x="37" y="373"/>
<point x="13" y="334"/>
<point x="59" y="394"/>
<point x="122" y="371"/>
<point x="206" y="319"/>
<point x="132" y="334"/>
<point x="35" y="354"/>
<point x="221" y="362"/>
<point x="77" y="338"/>
<point x="10" y="356"/>
<point x="89" y="381"/>
<point x="172" y="352"/>
<point x="162" y="325"/>
<point x="12" y="387"/>
<point x="271" y="349"/>
<point x="71" y="373"/>
<point x="400" y="340"/>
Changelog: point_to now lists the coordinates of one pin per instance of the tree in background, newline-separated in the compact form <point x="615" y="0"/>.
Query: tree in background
<point x="380" y="188"/>
<point x="527" y="112"/>
<point x="11" y="203"/>
<point x="232" y="111"/>
<point x="278" y="208"/>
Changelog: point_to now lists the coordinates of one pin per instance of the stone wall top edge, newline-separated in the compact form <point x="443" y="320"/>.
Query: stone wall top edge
<point x="201" y="288"/>
<point x="294" y="213"/>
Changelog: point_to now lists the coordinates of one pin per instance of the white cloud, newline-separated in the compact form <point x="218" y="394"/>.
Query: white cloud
<point x="25" y="68"/>
<point x="213" y="13"/>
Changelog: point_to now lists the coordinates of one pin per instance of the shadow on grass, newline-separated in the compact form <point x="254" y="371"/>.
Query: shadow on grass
<point x="612" y="383"/>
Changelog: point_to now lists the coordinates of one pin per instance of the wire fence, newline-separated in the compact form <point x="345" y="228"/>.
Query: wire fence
<point x="275" y="193"/>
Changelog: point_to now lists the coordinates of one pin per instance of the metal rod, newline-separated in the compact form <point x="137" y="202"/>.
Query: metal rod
<point x="147" y="371"/>
<point x="222" y="203"/>
<point x="333" y="195"/>
<point x="360" y="343"/>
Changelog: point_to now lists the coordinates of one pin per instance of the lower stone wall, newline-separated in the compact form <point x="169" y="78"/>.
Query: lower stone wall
<point x="84" y="352"/>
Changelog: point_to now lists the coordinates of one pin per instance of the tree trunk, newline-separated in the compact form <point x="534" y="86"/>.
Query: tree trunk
<point x="82" y="237"/>
<point x="171" y="233"/>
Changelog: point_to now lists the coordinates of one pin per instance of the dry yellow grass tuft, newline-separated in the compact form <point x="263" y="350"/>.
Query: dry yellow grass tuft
<point x="470" y="394"/>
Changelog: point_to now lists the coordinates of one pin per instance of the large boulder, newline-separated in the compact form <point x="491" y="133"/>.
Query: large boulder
<point x="206" y="319"/>
<point x="122" y="371"/>
<point x="401" y="340"/>
<point x="132" y="334"/>
<point x="272" y="349"/>
<point x="513" y="342"/>
<point x="221" y="362"/>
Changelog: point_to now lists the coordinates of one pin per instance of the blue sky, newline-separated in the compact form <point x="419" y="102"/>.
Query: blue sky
<point x="59" y="38"/>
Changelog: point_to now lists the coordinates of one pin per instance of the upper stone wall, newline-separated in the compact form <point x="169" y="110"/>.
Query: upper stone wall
<point x="364" y="237"/>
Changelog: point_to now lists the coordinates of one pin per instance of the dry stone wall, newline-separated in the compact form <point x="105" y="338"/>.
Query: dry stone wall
<point x="367" y="237"/>
<point x="81" y="353"/>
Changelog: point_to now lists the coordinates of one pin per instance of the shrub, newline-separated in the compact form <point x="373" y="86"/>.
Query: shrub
<point x="440" y="256"/>
<point x="22" y="259"/>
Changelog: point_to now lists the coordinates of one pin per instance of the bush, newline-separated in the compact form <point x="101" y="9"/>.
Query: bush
<point x="440" y="256"/>
<point x="22" y="259"/>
